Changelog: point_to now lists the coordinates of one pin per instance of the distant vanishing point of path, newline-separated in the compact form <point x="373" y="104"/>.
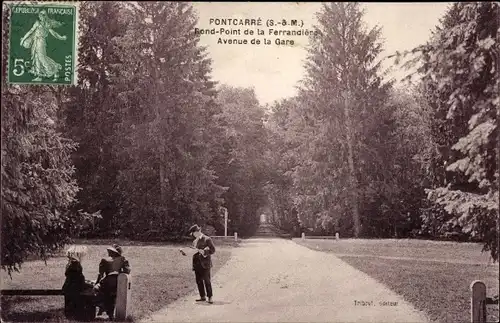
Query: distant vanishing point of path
<point x="277" y="280"/>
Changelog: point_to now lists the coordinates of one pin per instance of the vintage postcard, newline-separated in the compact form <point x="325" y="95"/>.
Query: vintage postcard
<point x="250" y="162"/>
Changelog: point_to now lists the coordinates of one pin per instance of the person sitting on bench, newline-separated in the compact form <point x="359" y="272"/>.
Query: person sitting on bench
<point x="74" y="284"/>
<point x="106" y="284"/>
<point x="75" y="304"/>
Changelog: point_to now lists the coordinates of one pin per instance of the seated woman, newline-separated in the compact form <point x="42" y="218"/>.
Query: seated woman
<point x="106" y="284"/>
<point x="75" y="284"/>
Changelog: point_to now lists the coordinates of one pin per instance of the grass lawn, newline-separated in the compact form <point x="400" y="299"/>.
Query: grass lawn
<point x="434" y="277"/>
<point x="160" y="275"/>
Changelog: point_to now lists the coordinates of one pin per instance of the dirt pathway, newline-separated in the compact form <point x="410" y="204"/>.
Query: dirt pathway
<point x="275" y="280"/>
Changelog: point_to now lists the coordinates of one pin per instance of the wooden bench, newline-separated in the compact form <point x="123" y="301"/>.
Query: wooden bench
<point x="123" y="297"/>
<point x="86" y="311"/>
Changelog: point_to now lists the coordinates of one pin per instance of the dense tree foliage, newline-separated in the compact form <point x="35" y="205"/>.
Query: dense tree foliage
<point x="458" y="79"/>
<point x="146" y="143"/>
<point x="343" y="126"/>
<point x="425" y="159"/>
<point x="166" y="133"/>
<point x="91" y="113"/>
<point x="38" y="186"/>
<point x="284" y="138"/>
<point x="246" y="168"/>
<point x="460" y="75"/>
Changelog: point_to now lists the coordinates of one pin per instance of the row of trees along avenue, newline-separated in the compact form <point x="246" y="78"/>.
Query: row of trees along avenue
<point x="148" y="143"/>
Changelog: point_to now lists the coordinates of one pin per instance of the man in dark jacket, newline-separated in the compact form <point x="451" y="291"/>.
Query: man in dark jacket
<point x="202" y="263"/>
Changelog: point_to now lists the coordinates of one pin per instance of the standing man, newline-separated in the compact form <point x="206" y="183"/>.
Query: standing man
<point x="202" y="263"/>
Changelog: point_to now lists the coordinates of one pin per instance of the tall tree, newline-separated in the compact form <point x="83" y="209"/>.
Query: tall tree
<point x="92" y="112"/>
<point x="170" y="111"/>
<point x="344" y="108"/>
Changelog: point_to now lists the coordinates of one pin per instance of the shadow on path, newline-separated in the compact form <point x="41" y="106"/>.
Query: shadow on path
<point x="214" y="303"/>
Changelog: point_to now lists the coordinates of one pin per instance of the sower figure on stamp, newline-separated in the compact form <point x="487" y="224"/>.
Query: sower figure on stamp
<point x="202" y="263"/>
<point x="106" y="284"/>
<point x="35" y="39"/>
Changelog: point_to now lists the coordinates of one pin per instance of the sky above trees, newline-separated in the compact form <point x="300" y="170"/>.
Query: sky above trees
<point x="275" y="70"/>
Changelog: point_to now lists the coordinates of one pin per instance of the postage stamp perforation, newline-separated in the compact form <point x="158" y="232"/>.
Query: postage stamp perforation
<point x="6" y="14"/>
<point x="46" y="19"/>
<point x="76" y="44"/>
<point x="11" y="4"/>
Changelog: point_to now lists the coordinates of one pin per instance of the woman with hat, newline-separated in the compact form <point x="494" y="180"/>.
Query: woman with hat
<point x="106" y="284"/>
<point x="74" y="283"/>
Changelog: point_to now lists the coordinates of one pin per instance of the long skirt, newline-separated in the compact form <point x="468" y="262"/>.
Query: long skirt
<point x="42" y="65"/>
<point x="106" y="297"/>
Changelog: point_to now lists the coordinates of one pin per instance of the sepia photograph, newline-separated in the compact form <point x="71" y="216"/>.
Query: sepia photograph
<point x="250" y="162"/>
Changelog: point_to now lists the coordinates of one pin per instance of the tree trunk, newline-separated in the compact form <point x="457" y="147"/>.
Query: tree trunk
<point x="162" y="173"/>
<point x="158" y="120"/>
<point x="352" y="174"/>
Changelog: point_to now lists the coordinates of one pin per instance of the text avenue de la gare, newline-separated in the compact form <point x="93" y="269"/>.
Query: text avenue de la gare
<point x="246" y="27"/>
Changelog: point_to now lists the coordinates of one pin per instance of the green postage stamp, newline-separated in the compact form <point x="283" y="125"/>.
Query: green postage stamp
<point x="43" y="43"/>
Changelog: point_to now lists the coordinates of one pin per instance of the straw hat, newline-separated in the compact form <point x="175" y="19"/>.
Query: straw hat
<point x="115" y="249"/>
<point x="118" y="248"/>
<point x="76" y="252"/>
